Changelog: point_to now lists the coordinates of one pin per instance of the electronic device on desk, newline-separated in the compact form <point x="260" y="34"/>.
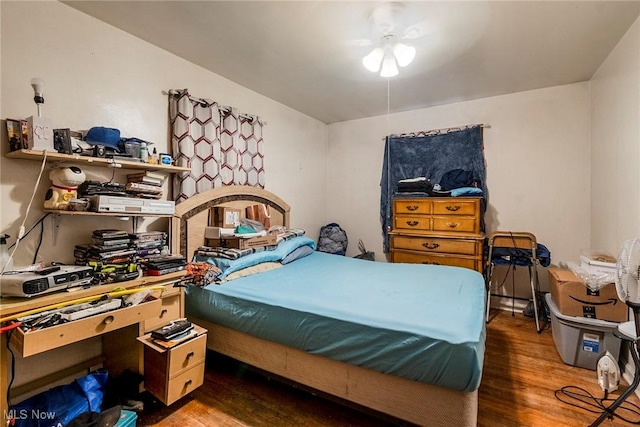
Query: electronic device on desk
<point x="52" y="279"/>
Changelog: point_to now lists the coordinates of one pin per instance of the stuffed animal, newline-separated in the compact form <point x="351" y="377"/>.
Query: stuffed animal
<point x="64" y="186"/>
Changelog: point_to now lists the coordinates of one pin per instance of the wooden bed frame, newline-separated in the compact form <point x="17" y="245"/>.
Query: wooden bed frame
<point x="404" y="399"/>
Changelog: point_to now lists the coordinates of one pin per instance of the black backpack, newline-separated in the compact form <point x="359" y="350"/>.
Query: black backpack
<point x="333" y="239"/>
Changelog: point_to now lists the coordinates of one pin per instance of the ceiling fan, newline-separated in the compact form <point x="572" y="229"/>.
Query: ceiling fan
<point x="437" y="32"/>
<point x="386" y="20"/>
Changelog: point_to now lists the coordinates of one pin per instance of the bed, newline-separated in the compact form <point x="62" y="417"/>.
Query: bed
<point x="405" y="340"/>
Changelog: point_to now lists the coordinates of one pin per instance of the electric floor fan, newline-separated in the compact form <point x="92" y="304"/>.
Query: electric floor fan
<point x="628" y="288"/>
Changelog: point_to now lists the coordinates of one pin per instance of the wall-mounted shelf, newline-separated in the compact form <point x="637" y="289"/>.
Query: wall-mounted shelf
<point x="134" y="216"/>
<point x="91" y="213"/>
<point x="93" y="161"/>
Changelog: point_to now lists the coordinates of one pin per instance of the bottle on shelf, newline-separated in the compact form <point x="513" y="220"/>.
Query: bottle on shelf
<point x="153" y="159"/>
<point x="144" y="152"/>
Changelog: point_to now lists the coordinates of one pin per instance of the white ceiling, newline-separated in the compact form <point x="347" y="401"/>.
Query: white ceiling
<point x="305" y="54"/>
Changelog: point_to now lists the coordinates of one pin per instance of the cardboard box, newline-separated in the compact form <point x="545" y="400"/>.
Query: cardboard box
<point x="574" y="298"/>
<point x="243" y="243"/>
<point x="225" y="217"/>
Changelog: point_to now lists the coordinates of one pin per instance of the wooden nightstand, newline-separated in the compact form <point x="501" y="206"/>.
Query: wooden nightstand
<point x="171" y="373"/>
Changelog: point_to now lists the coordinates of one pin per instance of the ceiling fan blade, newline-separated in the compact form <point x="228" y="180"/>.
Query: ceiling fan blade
<point x="359" y="42"/>
<point x="418" y="30"/>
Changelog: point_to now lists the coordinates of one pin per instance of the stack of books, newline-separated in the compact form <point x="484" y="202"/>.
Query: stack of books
<point x="148" y="243"/>
<point x="145" y="184"/>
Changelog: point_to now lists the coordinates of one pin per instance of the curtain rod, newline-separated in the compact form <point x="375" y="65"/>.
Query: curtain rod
<point x="225" y="108"/>
<point x="438" y="131"/>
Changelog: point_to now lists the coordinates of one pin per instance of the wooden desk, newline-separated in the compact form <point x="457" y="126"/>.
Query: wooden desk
<point x="146" y="318"/>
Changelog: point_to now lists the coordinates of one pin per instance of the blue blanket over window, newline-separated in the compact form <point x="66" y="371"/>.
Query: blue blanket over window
<point x="429" y="156"/>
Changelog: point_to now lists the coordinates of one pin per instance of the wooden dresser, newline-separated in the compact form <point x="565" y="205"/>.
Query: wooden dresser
<point x="438" y="230"/>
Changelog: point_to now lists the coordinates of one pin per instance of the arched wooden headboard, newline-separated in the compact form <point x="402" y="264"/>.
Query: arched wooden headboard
<point x="192" y="215"/>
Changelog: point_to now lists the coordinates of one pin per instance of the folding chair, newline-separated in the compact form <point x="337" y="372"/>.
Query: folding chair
<point x="520" y="250"/>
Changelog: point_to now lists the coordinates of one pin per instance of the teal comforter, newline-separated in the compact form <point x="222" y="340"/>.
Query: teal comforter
<point x="420" y="322"/>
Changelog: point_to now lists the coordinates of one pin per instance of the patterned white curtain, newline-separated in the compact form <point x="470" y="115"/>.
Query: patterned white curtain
<point x="219" y="145"/>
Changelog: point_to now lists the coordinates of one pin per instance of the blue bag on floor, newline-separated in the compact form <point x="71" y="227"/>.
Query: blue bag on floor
<point x="61" y="404"/>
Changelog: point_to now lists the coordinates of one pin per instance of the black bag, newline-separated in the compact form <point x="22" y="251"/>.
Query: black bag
<point x="456" y="178"/>
<point x="333" y="239"/>
<point x="364" y="253"/>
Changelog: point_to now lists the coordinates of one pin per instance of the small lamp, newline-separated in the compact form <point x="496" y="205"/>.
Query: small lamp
<point x="40" y="129"/>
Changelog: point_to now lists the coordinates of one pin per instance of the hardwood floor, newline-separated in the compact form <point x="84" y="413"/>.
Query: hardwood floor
<point x="522" y="371"/>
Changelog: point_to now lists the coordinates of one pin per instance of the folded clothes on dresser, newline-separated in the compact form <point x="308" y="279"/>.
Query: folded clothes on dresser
<point x="415" y="185"/>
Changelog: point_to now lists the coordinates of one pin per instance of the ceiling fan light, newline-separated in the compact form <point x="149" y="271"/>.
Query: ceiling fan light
<point x="372" y="61"/>
<point x="389" y="67"/>
<point x="404" y="54"/>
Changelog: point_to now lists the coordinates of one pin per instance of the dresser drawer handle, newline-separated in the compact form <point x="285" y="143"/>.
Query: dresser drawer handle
<point x="453" y="224"/>
<point x="108" y="320"/>
<point x="430" y="245"/>
<point x="432" y="263"/>
<point x="163" y="312"/>
<point x="187" y="383"/>
<point x="412" y="207"/>
<point x="412" y="223"/>
<point x="190" y="355"/>
<point x="453" y="208"/>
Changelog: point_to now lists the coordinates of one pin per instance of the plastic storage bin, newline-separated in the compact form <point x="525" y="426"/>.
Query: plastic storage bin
<point x="581" y="341"/>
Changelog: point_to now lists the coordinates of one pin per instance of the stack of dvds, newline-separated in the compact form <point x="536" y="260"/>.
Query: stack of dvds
<point x="164" y="264"/>
<point x="145" y="184"/>
<point x="148" y="244"/>
<point x="108" y="247"/>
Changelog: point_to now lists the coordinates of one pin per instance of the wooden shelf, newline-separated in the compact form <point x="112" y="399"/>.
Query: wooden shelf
<point x="93" y="161"/>
<point x="91" y="213"/>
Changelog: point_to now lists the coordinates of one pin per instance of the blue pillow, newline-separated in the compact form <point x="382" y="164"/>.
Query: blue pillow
<point x="286" y="247"/>
<point x="283" y="249"/>
<point x="298" y="253"/>
<point x="228" y="266"/>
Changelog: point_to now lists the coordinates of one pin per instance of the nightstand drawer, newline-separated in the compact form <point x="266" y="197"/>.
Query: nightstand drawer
<point x="187" y="355"/>
<point x="57" y="336"/>
<point x="184" y="383"/>
<point x="411" y="206"/>
<point x="456" y="224"/>
<point x="412" y="222"/>
<point x="169" y="309"/>
<point x="434" y="259"/>
<point x="434" y="244"/>
<point x="455" y="207"/>
<point x="170" y="373"/>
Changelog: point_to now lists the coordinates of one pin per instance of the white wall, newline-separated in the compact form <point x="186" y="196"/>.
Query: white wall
<point x="97" y="75"/>
<point x="615" y="148"/>
<point x="615" y="165"/>
<point x="538" y="160"/>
